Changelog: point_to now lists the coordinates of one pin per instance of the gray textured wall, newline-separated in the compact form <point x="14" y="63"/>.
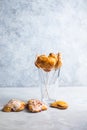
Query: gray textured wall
<point x="31" y="27"/>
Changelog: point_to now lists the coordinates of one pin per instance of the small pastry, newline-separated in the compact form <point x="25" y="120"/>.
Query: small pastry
<point x="35" y="105"/>
<point x="59" y="61"/>
<point x="59" y="104"/>
<point x="14" y="105"/>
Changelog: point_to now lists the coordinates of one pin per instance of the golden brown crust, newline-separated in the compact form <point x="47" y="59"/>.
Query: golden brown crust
<point x="47" y="63"/>
<point x="59" y="61"/>
<point x="59" y="105"/>
<point x="14" y="105"/>
<point x="6" y="108"/>
<point x="35" y="105"/>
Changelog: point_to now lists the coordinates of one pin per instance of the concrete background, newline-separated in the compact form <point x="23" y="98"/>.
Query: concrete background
<point x="31" y="27"/>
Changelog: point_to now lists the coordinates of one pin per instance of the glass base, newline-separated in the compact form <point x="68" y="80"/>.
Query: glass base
<point x="48" y="101"/>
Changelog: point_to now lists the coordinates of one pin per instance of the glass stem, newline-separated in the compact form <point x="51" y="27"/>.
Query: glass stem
<point x="46" y="85"/>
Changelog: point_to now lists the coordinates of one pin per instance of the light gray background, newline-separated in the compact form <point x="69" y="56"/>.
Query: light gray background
<point x="31" y="27"/>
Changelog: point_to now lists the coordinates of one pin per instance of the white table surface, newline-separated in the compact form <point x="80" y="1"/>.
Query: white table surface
<point x="73" y="118"/>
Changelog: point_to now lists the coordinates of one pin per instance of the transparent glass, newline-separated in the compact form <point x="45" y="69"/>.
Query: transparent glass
<point x="49" y="83"/>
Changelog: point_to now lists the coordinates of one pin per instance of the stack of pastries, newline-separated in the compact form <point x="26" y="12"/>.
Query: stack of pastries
<point x="50" y="62"/>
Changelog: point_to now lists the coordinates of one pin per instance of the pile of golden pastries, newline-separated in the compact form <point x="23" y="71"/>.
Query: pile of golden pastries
<point x="50" y="62"/>
<point x="33" y="105"/>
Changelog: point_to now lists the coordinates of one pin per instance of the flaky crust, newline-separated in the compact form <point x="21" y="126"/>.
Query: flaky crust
<point x="47" y="63"/>
<point x="35" y="105"/>
<point x="14" y="105"/>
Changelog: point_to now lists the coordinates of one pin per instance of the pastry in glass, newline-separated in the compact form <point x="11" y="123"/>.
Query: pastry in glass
<point x="49" y="71"/>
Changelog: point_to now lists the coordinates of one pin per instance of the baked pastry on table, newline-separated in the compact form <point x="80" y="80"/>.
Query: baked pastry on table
<point x="14" y="105"/>
<point x="50" y="62"/>
<point x="35" y="105"/>
<point x="59" y="104"/>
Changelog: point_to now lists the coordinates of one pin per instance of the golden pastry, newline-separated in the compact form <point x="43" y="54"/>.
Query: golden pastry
<point x="44" y="62"/>
<point x="47" y="63"/>
<point x="14" y="105"/>
<point x="59" y="104"/>
<point x="35" y="105"/>
<point x="59" y="61"/>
